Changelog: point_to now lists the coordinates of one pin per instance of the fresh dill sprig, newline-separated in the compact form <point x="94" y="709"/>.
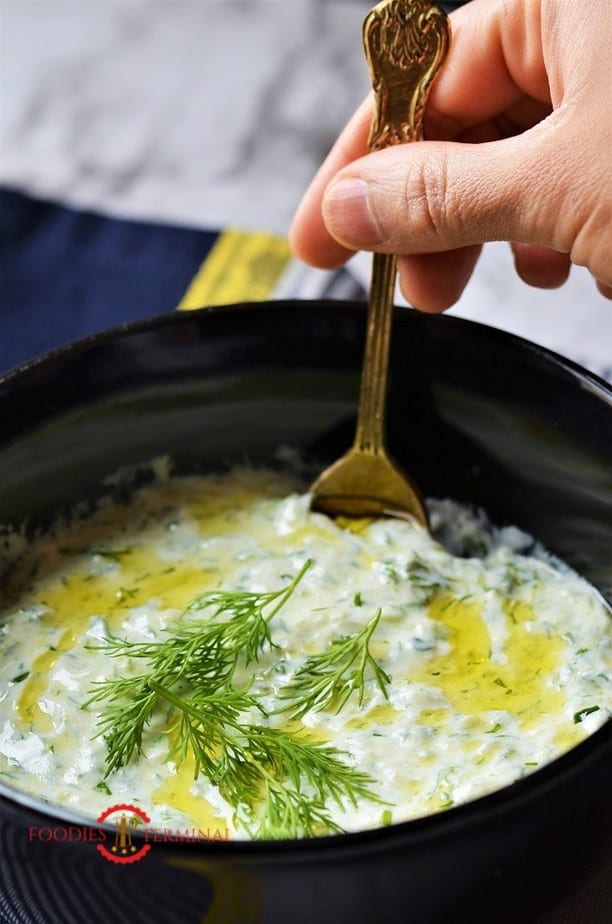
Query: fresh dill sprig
<point x="277" y="782"/>
<point x="245" y="628"/>
<point x="331" y="676"/>
<point x="123" y="720"/>
<point x="203" y="653"/>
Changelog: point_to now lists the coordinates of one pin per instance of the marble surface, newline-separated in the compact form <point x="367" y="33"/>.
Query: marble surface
<point x="212" y="113"/>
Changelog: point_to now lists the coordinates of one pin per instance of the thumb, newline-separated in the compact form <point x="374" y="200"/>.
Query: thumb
<point x="436" y="196"/>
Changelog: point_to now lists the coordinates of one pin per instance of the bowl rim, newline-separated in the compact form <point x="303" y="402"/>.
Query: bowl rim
<point x="176" y="317"/>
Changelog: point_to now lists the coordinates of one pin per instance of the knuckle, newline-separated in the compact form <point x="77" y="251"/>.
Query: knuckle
<point x="426" y="199"/>
<point x="592" y="245"/>
<point x="588" y="230"/>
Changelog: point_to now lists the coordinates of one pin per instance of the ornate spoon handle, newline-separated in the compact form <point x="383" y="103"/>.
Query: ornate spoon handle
<point x="405" y="42"/>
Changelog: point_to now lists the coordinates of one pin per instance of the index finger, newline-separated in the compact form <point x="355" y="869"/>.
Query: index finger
<point x="308" y="236"/>
<point x="493" y="63"/>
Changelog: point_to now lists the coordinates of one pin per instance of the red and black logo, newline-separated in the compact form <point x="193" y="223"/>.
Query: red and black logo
<point x="125" y="818"/>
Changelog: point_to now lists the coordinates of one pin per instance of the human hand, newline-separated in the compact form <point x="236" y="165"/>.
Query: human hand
<point x="519" y="149"/>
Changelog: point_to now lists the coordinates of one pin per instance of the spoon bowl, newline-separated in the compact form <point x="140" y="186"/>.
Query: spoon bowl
<point x="362" y="484"/>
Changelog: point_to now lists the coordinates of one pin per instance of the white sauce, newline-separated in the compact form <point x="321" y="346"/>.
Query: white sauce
<point x="483" y="691"/>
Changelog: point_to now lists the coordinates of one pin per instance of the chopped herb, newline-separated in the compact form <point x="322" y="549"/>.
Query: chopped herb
<point x="125" y="593"/>
<point x="425" y="579"/>
<point x="20" y="677"/>
<point x="357" y="599"/>
<point x="531" y="763"/>
<point x="386" y="817"/>
<point x="103" y="787"/>
<point x="582" y="650"/>
<point x="517" y="574"/>
<point x="493" y="730"/>
<point x="391" y="572"/>
<point x="420" y="644"/>
<point x="578" y="716"/>
<point x="500" y="683"/>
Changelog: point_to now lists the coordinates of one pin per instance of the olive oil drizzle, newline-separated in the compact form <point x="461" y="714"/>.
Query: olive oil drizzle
<point x="473" y="683"/>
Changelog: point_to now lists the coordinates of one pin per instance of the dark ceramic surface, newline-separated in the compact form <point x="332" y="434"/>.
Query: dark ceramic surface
<point x="495" y="420"/>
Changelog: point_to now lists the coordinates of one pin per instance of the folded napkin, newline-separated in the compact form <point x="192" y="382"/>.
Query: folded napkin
<point x="66" y="273"/>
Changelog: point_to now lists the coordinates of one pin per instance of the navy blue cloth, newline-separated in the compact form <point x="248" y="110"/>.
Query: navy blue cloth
<point x="65" y="273"/>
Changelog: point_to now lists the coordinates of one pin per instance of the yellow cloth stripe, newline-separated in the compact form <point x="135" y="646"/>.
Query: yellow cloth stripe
<point x="241" y="266"/>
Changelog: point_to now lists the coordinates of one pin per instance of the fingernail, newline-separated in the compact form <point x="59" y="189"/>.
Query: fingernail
<point x="347" y="213"/>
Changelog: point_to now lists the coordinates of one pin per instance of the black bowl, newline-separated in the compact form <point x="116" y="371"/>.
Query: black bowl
<point x="474" y="414"/>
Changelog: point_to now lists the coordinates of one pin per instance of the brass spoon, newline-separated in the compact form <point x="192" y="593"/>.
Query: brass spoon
<point x="405" y="42"/>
